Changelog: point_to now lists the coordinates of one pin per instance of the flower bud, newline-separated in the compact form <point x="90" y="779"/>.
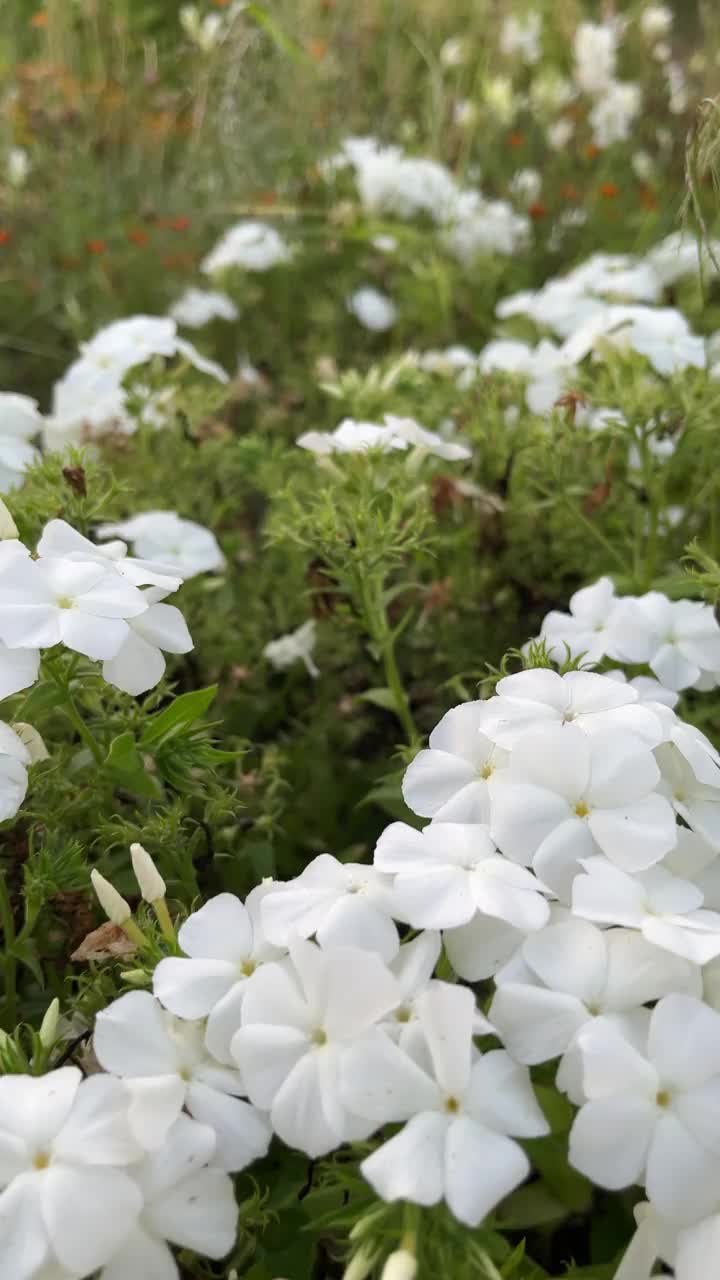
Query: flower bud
<point x="8" y="528"/>
<point x="31" y="739"/>
<point x="401" y="1265"/>
<point x="150" y="882"/>
<point x="360" y="1265"/>
<point x="48" y="1026"/>
<point x="113" y="904"/>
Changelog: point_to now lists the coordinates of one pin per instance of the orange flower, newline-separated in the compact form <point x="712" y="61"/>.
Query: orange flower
<point x="39" y="19"/>
<point x="516" y="140"/>
<point x="136" y="235"/>
<point x="609" y="190"/>
<point x="317" y="49"/>
<point x="95" y="246"/>
<point x="180" y="223"/>
<point x="569" y="191"/>
<point x="537" y="210"/>
<point x="5" y="235"/>
<point x="592" y="152"/>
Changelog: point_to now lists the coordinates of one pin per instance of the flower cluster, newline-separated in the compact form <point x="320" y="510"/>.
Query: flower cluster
<point x="395" y="434"/>
<point x="679" y="640"/>
<point x="571" y="856"/>
<point x="95" y="601"/>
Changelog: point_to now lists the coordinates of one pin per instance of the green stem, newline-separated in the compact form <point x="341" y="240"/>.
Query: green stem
<point x="377" y="627"/>
<point x="597" y="534"/>
<point x="71" y="710"/>
<point x="10" y="964"/>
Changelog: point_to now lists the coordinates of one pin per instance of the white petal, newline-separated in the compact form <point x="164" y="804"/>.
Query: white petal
<point x="534" y="1024"/>
<point x="610" y="1138"/>
<point x="382" y="1083"/>
<point x="88" y="1213"/>
<point x="199" y="1213"/>
<point x="433" y="779"/>
<point x="411" y="1166"/>
<point x="131" y="1037"/>
<point x="570" y="957"/>
<point x="141" y="1255"/>
<point x="242" y="1132"/>
<point x="155" y="1104"/>
<point x="356" y="922"/>
<point x="360" y="990"/>
<point x="500" y="1096"/>
<point x="266" y="1055"/>
<point x="478" y="949"/>
<point x="684" y="1041"/>
<point x="223" y="1022"/>
<point x="136" y="667"/>
<point x="220" y="930"/>
<point x="23" y="1240"/>
<point x="446" y="1016"/>
<point x="682" y="1176"/>
<point x="190" y="988"/>
<point x="97" y="1130"/>
<point x="298" y="1113"/>
<point x="36" y="1107"/>
<point x="481" y="1168"/>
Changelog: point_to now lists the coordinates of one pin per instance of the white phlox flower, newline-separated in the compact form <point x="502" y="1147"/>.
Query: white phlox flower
<point x="298" y="1019"/>
<point x="462" y="1110"/>
<point x="166" y="1066"/>
<point x="188" y="548"/>
<point x="296" y="646"/>
<point x="339" y="903"/>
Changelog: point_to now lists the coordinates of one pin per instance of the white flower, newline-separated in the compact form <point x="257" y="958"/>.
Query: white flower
<point x="664" y="338"/>
<point x="526" y="184"/>
<point x="480" y="226"/>
<point x="577" y="972"/>
<point x="14" y="759"/>
<point x="582" y="698"/>
<point x="68" y="1198"/>
<point x="615" y="112"/>
<point x="296" y="646"/>
<point x="183" y="1202"/>
<point x="139" y="663"/>
<point x="298" y="1018"/>
<point x="589" y="629"/>
<point x="449" y="780"/>
<point x="253" y="246"/>
<point x="449" y="872"/>
<point x="595" y="50"/>
<point x="454" y="52"/>
<point x="224" y="943"/>
<point x="20" y="420"/>
<point x="667" y="909"/>
<point x="166" y="1066"/>
<point x="696" y="799"/>
<point x="559" y="133"/>
<point x="456" y="1145"/>
<point x="59" y="539"/>
<point x="341" y="903"/>
<point x="522" y="36"/>
<point x="17" y="166"/>
<point x="678" y="639"/>
<point x="567" y="795"/>
<point x="197" y="307"/>
<point x="185" y="546"/>
<point x="55" y="600"/>
<point x="651" y="1116"/>
<point x="18" y="669"/>
<point x="413" y="967"/>
<point x="373" y="309"/>
<point x="656" y="20"/>
<point x="396" y="434"/>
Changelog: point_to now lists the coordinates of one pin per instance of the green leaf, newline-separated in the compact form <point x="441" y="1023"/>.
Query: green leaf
<point x="379" y="698"/>
<point x="26" y="954"/>
<point x="125" y="765"/>
<point x="178" y="717"/>
<point x="531" y="1206"/>
<point x="549" y="1158"/>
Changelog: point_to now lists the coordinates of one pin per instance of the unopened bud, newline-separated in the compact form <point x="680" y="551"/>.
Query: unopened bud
<point x="401" y="1265"/>
<point x="360" y="1265"/>
<point x="136" y="977"/>
<point x="31" y="739"/>
<point x="113" y="904"/>
<point x="8" y="528"/>
<point x="48" y="1026"/>
<point x="150" y="882"/>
